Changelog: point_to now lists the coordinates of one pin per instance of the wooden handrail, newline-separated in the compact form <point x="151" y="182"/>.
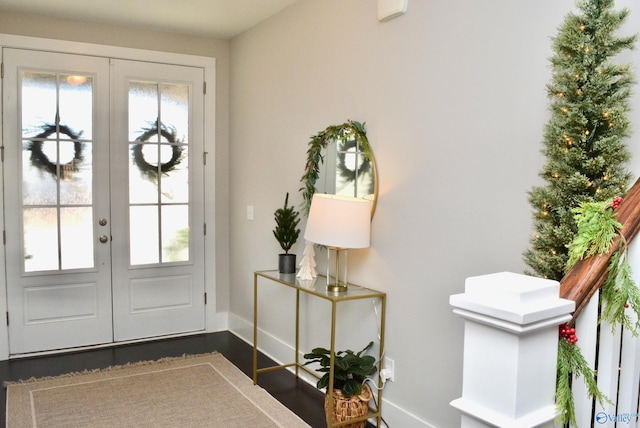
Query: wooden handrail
<point x="588" y="275"/>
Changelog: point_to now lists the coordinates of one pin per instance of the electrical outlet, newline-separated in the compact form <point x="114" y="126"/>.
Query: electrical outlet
<point x="388" y="369"/>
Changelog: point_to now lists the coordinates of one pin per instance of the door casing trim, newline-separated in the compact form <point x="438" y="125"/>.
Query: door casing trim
<point x="214" y="321"/>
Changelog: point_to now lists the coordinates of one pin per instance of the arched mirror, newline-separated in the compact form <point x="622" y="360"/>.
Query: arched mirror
<point x="340" y="161"/>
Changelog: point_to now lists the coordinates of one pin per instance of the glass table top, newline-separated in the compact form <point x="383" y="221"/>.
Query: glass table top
<point x="318" y="286"/>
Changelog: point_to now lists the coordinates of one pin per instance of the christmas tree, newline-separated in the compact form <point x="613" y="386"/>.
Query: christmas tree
<point x="584" y="139"/>
<point x="286" y="222"/>
<point x="308" y="264"/>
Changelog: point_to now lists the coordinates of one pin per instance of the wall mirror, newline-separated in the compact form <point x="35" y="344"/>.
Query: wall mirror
<point x="340" y="161"/>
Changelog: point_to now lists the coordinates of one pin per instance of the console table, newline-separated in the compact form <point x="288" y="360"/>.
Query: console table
<point x="318" y="289"/>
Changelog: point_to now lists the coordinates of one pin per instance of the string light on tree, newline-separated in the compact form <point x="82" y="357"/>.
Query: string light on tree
<point x="584" y="137"/>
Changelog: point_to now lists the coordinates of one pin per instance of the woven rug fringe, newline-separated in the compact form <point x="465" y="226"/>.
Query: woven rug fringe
<point x="6" y="383"/>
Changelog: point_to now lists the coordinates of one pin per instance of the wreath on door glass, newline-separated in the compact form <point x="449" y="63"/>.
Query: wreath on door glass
<point x="39" y="158"/>
<point x="170" y="135"/>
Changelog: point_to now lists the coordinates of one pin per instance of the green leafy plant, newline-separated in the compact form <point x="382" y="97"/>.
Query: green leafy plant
<point x="350" y="368"/>
<point x="286" y="231"/>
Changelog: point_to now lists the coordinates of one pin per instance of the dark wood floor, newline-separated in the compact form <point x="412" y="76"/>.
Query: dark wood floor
<point x="302" y="398"/>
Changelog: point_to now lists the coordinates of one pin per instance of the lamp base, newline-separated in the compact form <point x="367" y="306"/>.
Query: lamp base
<point x="337" y="288"/>
<point x="336" y="270"/>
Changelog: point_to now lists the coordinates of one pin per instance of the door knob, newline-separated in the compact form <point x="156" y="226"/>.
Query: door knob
<point x="104" y="238"/>
<point x="102" y="222"/>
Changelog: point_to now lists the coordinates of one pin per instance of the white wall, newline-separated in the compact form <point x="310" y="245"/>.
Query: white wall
<point x="454" y="100"/>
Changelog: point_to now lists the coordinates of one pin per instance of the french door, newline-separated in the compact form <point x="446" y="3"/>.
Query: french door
<point x="103" y="199"/>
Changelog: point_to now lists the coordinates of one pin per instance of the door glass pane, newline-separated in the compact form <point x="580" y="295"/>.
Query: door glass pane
<point x="40" y="239"/>
<point x="174" y="104"/>
<point x="143" y="108"/>
<point x="175" y="183"/>
<point x="57" y="170"/>
<point x="159" y="172"/>
<point x="38" y="188"/>
<point x="76" y="236"/>
<point x="142" y="185"/>
<point x="175" y="233"/>
<point x="76" y="99"/>
<point x="76" y="186"/>
<point x="143" y="235"/>
<point x="41" y="87"/>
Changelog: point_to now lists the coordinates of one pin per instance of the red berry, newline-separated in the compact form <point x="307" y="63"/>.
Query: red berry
<point x="616" y="202"/>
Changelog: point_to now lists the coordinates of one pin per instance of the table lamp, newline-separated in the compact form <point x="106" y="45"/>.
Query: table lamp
<point x="339" y="223"/>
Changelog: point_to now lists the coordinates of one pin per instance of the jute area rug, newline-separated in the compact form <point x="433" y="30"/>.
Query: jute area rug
<point x="193" y="391"/>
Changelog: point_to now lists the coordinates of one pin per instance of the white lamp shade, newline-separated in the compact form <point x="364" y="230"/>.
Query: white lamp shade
<point x="339" y="221"/>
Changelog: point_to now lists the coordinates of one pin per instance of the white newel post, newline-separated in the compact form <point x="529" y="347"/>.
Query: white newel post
<point x="510" y="350"/>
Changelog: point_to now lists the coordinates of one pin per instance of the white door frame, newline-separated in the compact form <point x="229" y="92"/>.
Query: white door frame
<point x="213" y="321"/>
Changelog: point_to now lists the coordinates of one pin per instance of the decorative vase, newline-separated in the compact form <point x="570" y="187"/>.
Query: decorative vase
<point x="344" y="409"/>
<point x="287" y="263"/>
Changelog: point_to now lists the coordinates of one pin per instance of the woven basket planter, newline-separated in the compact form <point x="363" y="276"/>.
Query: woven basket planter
<point x="344" y="409"/>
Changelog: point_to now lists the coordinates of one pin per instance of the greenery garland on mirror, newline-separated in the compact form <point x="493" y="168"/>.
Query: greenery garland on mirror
<point x="346" y="131"/>
<point x="597" y="230"/>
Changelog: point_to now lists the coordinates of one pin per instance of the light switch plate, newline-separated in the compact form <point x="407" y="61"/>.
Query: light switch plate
<point x="389" y="9"/>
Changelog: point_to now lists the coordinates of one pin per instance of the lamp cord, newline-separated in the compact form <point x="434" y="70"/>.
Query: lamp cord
<point x="374" y="398"/>
<point x="378" y="327"/>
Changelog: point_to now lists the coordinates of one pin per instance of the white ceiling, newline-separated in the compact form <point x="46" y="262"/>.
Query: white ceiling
<point x="208" y="18"/>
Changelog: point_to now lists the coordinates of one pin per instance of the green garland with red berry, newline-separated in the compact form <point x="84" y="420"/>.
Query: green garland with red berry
<point x="597" y="230"/>
<point x="571" y="362"/>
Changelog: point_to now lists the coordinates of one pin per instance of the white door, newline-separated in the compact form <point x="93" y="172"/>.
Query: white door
<point x="79" y="194"/>
<point x="157" y="212"/>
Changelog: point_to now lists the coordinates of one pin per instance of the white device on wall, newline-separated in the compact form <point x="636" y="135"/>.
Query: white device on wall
<point x="389" y="9"/>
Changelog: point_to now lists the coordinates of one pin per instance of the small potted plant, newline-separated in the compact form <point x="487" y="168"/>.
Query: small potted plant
<point x="286" y="234"/>
<point x="350" y="394"/>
